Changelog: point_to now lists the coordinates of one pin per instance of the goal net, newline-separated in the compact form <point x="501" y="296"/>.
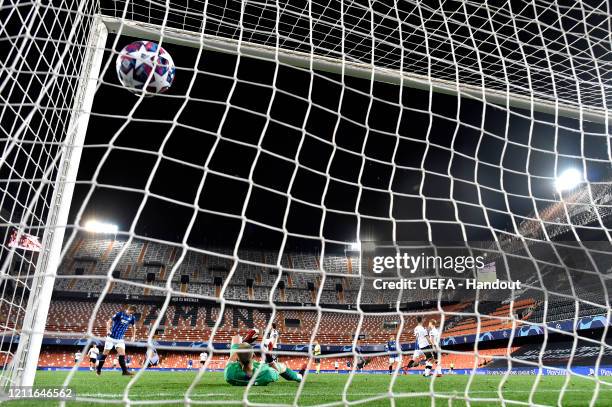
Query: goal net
<point x="299" y="142"/>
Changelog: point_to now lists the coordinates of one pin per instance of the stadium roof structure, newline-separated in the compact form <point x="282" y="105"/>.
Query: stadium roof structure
<point x="588" y="204"/>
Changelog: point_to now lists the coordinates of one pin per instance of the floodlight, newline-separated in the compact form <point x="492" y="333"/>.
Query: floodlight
<point x="568" y="180"/>
<point x="95" y="226"/>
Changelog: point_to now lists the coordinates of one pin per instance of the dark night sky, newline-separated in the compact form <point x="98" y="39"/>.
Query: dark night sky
<point x="193" y="136"/>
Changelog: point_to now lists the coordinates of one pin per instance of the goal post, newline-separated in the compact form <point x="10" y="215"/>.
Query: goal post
<point x="22" y="369"/>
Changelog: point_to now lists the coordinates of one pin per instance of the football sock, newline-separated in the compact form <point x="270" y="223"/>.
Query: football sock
<point x="318" y="369"/>
<point x="101" y="360"/>
<point x="390" y="368"/>
<point x="122" y="363"/>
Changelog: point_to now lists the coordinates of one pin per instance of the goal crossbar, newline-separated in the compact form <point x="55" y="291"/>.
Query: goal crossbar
<point x="305" y="60"/>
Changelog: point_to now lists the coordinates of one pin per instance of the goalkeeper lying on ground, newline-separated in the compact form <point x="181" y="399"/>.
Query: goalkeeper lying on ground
<point x="241" y="366"/>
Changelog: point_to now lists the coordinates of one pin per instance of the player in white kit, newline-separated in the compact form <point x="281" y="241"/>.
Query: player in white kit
<point x="203" y="359"/>
<point x="434" y="337"/>
<point x="93" y="356"/>
<point x="270" y="345"/>
<point x="424" y="347"/>
<point x="153" y="356"/>
<point x="77" y="358"/>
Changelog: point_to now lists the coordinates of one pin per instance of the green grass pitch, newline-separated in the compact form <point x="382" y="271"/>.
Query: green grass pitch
<point x="410" y="390"/>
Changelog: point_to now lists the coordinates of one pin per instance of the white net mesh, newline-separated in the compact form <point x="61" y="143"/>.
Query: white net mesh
<point x="532" y="48"/>
<point x="293" y="131"/>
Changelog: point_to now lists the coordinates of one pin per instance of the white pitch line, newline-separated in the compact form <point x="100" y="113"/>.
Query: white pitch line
<point x="112" y="395"/>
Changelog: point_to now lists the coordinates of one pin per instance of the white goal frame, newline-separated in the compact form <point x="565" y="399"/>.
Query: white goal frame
<point x="22" y="369"/>
<point x="299" y="59"/>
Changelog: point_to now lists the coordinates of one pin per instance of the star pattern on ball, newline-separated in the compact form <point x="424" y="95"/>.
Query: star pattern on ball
<point x="143" y="63"/>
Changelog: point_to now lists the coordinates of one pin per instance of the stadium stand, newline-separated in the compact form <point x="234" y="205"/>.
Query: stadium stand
<point x="195" y="322"/>
<point x="143" y="267"/>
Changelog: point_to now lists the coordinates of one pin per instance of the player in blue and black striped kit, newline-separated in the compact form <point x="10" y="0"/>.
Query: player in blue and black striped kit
<point x="391" y="347"/>
<point x="116" y="328"/>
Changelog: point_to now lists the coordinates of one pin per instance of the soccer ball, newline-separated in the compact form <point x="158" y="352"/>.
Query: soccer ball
<point x="145" y="60"/>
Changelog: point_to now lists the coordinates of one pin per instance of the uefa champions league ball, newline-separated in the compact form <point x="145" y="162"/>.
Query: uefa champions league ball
<point x="143" y="61"/>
